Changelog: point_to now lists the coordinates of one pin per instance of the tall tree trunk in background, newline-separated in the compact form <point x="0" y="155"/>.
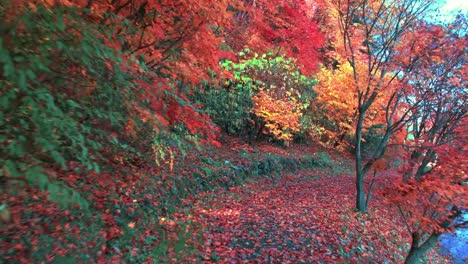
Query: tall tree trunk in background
<point x="360" y="192"/>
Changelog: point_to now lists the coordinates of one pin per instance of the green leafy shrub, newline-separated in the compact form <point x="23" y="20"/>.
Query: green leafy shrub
<point x="64" y="93"/>
<point x="230" y="104"/>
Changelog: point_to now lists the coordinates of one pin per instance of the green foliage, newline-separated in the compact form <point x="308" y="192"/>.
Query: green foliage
<point x="277" y="75"/>
<point x="228" y="106"/>
<point x="63" y="91"/>
<point x="230" y="103"/>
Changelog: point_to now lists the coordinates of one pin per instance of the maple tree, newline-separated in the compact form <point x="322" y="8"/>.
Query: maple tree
<point x="338" y="99"/>
<point x="169" y="52"/>
<point x="166" y="52"/>
<point x="443" y="107"/>
<point x="370" y="32"/>
<point x="175" y="37"/>
<point x="431" y="179"/>
<point x="430" y="204"/>
<point x="286" y="27"/>
<point x="403" y="67"/>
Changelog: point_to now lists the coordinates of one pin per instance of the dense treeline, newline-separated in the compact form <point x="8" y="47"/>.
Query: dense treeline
<point x="101" y="102"/>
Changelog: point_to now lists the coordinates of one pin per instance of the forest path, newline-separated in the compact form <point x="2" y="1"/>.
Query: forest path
<point x="306" y="216"/>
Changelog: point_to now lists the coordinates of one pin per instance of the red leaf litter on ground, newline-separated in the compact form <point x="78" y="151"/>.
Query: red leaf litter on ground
<point x="299" y="220"/>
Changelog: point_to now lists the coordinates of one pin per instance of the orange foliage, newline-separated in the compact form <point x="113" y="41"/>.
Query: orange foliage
<point x="338" y="97"/>
<point x="281" y="116"/>
<point x="336" y="91"/>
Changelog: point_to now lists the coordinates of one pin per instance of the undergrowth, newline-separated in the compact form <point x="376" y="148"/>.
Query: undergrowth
<point x="140" y="216"/>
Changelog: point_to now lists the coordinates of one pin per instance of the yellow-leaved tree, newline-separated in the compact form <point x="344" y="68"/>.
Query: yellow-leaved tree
<point x="337" y="99"/>
<point x="281" y="116"/>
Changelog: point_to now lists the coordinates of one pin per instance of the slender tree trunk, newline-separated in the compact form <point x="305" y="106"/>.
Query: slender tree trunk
<point x="417" y="252"/>
<point x="360" y="195"/>
<point x="369" y="192"/>
<point x="414" y="257"/>
<point x="426" y="160"/>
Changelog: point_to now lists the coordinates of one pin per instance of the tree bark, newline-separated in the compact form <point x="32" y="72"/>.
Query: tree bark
<point x="417" y="252"/>
<point x="360" y="195"/>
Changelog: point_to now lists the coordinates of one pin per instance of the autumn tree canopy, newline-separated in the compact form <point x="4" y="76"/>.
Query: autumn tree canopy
<point x="115" y="116"/>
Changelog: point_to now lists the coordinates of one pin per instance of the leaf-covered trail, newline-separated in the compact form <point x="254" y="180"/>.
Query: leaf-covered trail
<point x="305" y="217"/>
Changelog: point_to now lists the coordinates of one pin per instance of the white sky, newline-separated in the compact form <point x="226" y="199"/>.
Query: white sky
<point x="450" y="8"/>
<point x="454" y="6"/>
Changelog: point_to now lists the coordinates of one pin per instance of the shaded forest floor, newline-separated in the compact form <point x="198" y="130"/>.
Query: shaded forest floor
<point x="235" y="204"/>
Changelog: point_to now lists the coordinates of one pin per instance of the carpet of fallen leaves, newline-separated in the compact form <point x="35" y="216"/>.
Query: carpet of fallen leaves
<point x="302" y="218"/>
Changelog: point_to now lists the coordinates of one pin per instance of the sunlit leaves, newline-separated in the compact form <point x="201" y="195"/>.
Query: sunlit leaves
<point x="281" y="117"/>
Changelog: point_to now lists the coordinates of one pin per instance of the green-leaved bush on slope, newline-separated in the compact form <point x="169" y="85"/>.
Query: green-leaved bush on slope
<point x="65" y="94"/>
